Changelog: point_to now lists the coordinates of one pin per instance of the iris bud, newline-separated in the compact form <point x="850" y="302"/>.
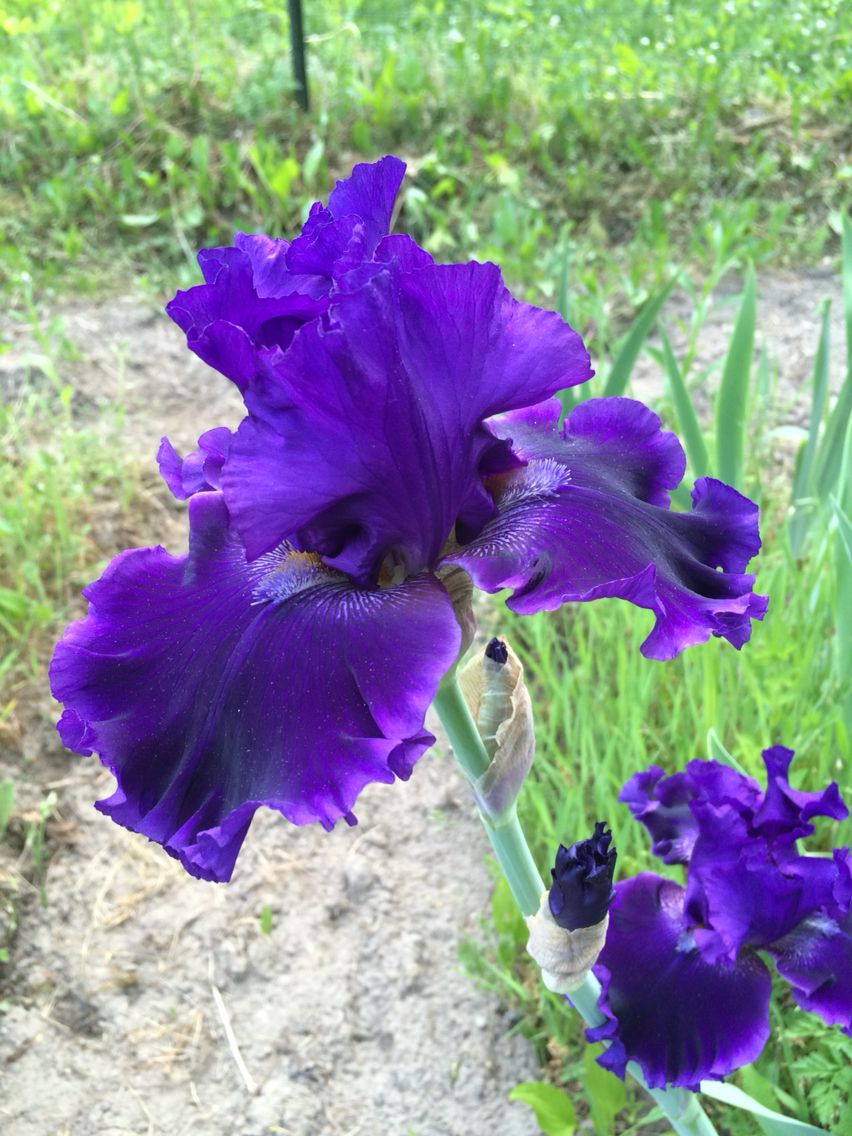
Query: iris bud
<point x="568" y="932"/>
<point x="493" y="687"/>
<point x="582" y="881"/>
<point x="459" y="587"/>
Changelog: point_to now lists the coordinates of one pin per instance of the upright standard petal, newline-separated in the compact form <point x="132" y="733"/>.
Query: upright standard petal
<point x="211" y="686"/>
<point x="682" y="1019"/>
<point x="369" y="194"/>
<point x="784" y="815"/>
<point x="365" y="439"/>
<point x="662" y="805"/>
<point x="258" y="292"/>
<point x="227" y="322"/>
<point x="586" y="518"/>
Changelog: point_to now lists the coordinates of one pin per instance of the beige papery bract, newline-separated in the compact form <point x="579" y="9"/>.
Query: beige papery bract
<point x="565" y="957"/>
<point x="499" y="704"/>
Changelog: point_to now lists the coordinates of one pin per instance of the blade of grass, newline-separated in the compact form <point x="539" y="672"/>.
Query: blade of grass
<point x="830" y="457"/>
<point x="842" y="505"/>
<point x="732" y="398"/>
<point x="569" y="397"/>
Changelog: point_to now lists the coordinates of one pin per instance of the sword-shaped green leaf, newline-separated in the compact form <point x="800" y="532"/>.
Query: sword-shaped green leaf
<point x="732" y="399"/>
<point x="803" y="497"/>
<point x="622" y="368"/>
<point x="847" y="288"/>
<point x="690" y="428"/>
<point x="772" y="1123"/>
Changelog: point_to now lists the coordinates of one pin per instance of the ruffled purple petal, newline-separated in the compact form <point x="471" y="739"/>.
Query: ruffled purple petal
<point x="199" y="471"/>
<point x="816" y="959"/>
<point x="329" y="249"/>
<point x="785" y="813"/>
<point x="260" y="291"/>
<point x="369" y="193"/>
<point x="740" y="892"/>
<point x="747" y="886"/>
<point x="183" y="476"/>
<point x="681" y="1019"/>
<point x="663" y="804"/>
<point x="227" y="321"/>
<point x="365" y="440"/>
<point x="210" y="686"/>
<point x="586" y="519"/>
<point x="401" y="249"/>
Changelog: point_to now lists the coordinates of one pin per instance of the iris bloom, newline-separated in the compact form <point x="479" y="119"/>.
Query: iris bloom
<point x="685" y="992"/>
<point x="399" y="425"/>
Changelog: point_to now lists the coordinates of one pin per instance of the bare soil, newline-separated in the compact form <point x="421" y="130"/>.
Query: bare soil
<point x="140" y="1001"/>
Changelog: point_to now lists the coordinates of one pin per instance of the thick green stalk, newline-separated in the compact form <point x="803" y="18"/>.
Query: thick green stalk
<point x="682" y="1108"/>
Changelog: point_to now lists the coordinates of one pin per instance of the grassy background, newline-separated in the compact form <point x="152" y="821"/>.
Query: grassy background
<point x="595" y="150"/>
<point x="132" y="133"/>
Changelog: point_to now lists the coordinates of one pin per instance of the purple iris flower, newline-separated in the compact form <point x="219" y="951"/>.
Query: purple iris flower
<point x="400" y="427"/>
<point x="684" y="990"/>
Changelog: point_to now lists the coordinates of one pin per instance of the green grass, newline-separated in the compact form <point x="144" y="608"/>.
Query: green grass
<point x="51" y="464"/>
<point x="613" y="137"/>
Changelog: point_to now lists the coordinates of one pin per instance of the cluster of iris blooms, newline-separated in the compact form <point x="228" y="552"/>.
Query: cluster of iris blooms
<point x="401" y="432"/>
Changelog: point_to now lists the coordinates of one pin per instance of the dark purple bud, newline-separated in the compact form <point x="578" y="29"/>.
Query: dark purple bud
<point x="582" y="881"/>
<point x="496" y="651"/>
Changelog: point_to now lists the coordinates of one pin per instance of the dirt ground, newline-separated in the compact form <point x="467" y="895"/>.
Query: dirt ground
<point x="140" y="1001"/>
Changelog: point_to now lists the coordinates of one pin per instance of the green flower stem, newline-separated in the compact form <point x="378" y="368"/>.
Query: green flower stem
<point x="682" y="1108"/>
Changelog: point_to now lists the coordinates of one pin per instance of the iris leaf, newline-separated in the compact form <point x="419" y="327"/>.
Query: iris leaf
<point x="717" y="752"/>
<point x="802" y="495"/>
<point x="847" y="287"/>
<point x="732" y="399"/>
<point x="830" y="453"/>
<point x="625" y="360"/>
<point x="685" y="410"/>
<point x="772" y="1123"/>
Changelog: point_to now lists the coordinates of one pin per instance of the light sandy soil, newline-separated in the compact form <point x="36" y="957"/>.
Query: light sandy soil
<point x="140" y="1001"/>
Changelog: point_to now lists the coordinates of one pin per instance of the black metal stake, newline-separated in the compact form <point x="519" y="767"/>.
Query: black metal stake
<point x="297" y="51"/>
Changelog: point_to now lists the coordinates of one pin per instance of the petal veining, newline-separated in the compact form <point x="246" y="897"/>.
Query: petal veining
<point x="587" y="518"/>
